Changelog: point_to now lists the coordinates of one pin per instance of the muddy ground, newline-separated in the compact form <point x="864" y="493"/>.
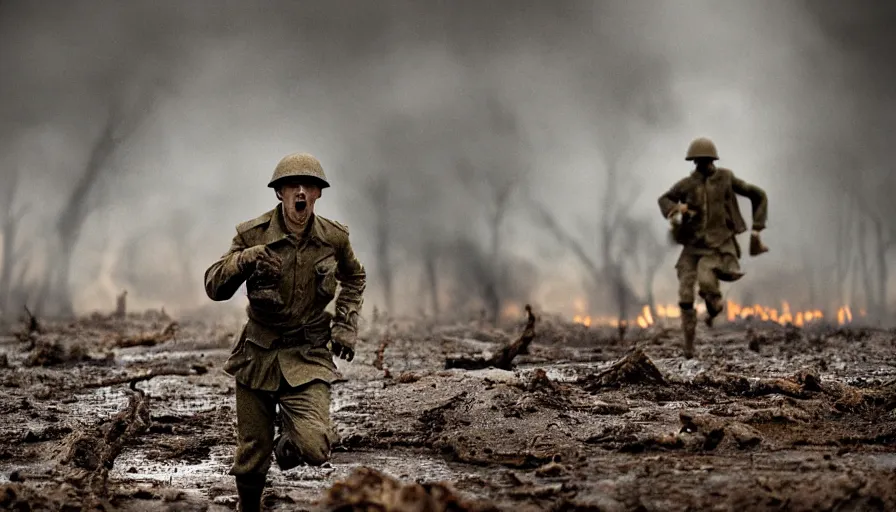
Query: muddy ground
<point x="136" y="414"/>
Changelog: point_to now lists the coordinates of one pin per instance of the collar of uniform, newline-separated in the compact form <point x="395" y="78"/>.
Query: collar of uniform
<point x="705" y="177"/>
<point x="276" y="230"/>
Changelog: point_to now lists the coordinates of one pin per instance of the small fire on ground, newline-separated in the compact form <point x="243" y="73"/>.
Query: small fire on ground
<point x="734" y="312"/>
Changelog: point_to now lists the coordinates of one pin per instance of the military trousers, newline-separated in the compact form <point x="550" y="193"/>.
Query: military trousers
<point x="306" y="426"/>
<point x="703" y="268"/>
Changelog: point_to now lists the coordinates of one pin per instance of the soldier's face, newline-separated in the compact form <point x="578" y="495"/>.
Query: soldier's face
<point x="704" y="165"/>
<point x="298" y="200"/>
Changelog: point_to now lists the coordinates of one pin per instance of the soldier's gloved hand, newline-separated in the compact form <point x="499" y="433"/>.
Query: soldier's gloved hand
<point x="756" y="245"/>
<point x="343" y="342"/>
<point x="248" y="258"/>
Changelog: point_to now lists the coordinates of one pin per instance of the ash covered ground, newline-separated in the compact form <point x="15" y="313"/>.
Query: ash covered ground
<point x="136" y="414"/>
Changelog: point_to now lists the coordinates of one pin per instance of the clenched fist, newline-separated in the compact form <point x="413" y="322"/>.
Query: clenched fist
<point x="249" y="258"/>
<point x="343" y="343"/>
<point x="756" y="245"/>
<point x="264" y="280"/>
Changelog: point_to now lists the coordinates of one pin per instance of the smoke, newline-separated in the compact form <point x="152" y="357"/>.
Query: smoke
<point x="419" y="112"/>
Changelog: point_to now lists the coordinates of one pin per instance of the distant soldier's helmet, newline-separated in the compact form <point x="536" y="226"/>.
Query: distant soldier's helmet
<point x="702" y="148"/>
<point x="299" y="165"/>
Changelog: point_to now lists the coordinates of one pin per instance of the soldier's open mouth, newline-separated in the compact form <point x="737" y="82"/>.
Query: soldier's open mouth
<point x="300" y="206"/>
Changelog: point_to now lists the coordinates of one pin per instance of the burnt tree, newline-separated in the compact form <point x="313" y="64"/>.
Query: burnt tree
<point x="431" y="275"/>
<point x="122" y="119"/>
<point x="379" y="189"/>
<point x="10" y="257"/>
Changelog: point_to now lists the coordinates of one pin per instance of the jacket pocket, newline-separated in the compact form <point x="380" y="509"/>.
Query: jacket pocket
<point x="325" y="274"/>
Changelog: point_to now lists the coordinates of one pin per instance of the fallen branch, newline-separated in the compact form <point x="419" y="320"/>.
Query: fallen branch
<point x="742" y="386"/>
<point x="150" y="339"/>
<point x="155" y="372"/>
<point x="92" y="454"/>
<point x="504" y="358"/>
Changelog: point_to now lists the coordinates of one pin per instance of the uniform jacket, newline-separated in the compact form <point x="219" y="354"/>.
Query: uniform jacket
<point x="715" y="216"/>
<point x="291" y="341"/>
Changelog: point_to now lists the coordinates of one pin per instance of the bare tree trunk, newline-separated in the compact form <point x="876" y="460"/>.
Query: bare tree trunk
<point x="883" y="247"/>
<point x="810" y="278"/>
<point x="10" y="228"/>
<point x="612" y="218"/>
<point x="118" y="126"/>
<point x="845" y="225"/>
<point x="430" y="256"/>
<point x="652" y="271"/>
<point x="867" y="282"/>
<point x="76" y="210"/>
<point x="492" y="290"/>
<point x="10" y="225"/>
<point x="384" y="243"/>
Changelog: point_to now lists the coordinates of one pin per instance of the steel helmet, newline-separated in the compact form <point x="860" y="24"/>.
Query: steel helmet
<point x="702" y="148"/>
<point x="297" y="165"/>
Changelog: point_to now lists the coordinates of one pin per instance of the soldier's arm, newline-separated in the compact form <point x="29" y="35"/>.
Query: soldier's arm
<point x="669" y="201"/>
<point x="225" y="276"/>
<point x="758" y="199"/>
<point x="353" y="280"/>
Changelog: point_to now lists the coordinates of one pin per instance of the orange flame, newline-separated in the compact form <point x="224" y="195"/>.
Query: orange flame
<point x="735" y="311"/>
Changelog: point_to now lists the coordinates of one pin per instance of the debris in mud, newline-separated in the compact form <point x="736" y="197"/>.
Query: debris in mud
<point x="381" y="355"/>
<point x="408" y="378"/>
<point x="742" y="386"/>
<point x="552" y="469"/>
<point x="635" y="368"/>
<point x="32" y="328"/>
<point x="755" y="339"/>
<point x="541" y="382"/>
<point x="504" y="358"/>
<point x="148" y="339"/>
<point x="368" y="489"/>
<point x="792" y="333"/>
<point x="90" y="455"/>
<point x="712" y="431"/>
<point x="51" y="353"/>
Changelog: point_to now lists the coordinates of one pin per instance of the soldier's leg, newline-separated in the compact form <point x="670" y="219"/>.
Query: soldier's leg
<point x="307" y="433"/>
<point x="708" y="282"/>
<point x="687" y="279"/>
<point x="255" y="441"/>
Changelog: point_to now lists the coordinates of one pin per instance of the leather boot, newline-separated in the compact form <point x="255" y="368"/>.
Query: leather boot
<point x="689" y="328"/>
<point x="285" y="454"/>
<point x="250" y="488"/>
<point x="714" y="308"/>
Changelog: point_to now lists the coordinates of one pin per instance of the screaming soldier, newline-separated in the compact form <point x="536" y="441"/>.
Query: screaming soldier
<point x="291" y="260"/>
<point x="705" y="218"/>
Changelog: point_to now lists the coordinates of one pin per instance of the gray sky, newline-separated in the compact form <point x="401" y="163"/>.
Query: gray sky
<point x="788" y="90"/>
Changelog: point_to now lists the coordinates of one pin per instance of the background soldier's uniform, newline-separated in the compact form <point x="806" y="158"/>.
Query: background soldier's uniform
<point x="711" y="251"/>
<point x="708" y="233"/>
<point x="282" y="355"/>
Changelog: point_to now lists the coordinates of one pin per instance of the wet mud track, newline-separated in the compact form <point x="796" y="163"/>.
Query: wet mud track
<point x="764" y="419"/>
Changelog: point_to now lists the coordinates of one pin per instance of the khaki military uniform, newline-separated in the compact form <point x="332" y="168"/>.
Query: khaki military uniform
<point x="711" y="251"/>
<point x="282" y="356"/>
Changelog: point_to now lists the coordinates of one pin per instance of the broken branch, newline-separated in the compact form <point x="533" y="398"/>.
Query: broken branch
<point x="504" y="358"/>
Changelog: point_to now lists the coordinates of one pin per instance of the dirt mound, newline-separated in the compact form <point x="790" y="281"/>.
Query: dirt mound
<point x="635" y="368"/>
<point x="369" y="489"/>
